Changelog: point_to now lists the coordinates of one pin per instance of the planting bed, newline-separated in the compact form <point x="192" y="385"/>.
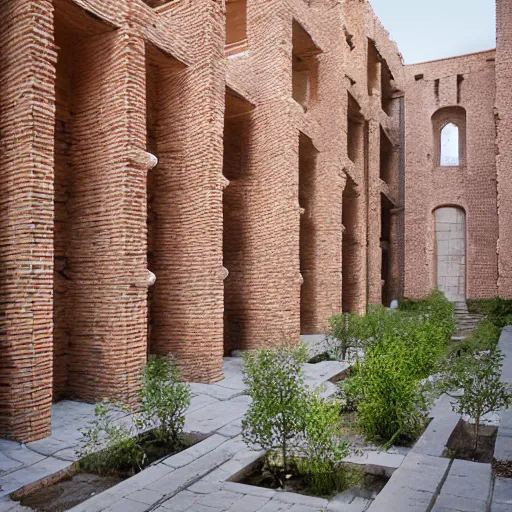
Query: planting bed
<point x="461" y="444"/>
<point x="80" y="484"/>
<point x="356" y="482"/>
<point x="69" y="492"/>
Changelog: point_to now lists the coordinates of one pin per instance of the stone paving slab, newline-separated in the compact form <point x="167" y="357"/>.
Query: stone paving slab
<point x="29" y="474"/>
<point x="448" y="503"/>
<point x="323" y="371"/>
<point x="502" y="496"/>
<point x="377" y="462"/>
<point x="215" y="391"/>
<point x="469" y="480"/>
<point x="505" y="345"/>
<point x="435" y="438"/>
<point x="215" y="416"/>
<point x="413" y="486"/>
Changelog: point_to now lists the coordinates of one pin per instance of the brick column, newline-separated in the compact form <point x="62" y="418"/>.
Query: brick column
<point x="187" y="302"/>
<point x="504" y="153"/>
<point x="374" y="211"/>
<point x="107" y="255"/>
<point x="27" y="59"/>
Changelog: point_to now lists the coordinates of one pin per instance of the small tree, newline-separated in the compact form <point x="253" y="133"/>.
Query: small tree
<point x="164" y="400"/>
<point x="341" y="331"/>
<point x="275" y="416"/>
<point x="477" y="376"/>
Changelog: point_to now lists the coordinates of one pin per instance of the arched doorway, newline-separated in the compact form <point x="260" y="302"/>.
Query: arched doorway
<point x="451" y="252"/>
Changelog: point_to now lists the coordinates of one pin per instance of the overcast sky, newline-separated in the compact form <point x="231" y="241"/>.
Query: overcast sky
<point x="435" y="29"/>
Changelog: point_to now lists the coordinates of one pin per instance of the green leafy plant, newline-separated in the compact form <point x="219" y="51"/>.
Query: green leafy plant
<point x="108" y="444"/>
<point x="343" y="330"/>
<point x="275" y="416"/>
<point x="388" y="387"/>
<point x="123" y="439"/>
<point x="320" y="449"/>
<point x="484" y="337"/>
<point x="476" y="386"/>
<point x="392" y="402"/>
<point x="497" y="310"/>
<point x="164" y="399"/>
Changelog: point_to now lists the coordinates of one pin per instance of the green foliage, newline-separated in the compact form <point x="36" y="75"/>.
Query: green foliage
<point x="296" y="427"/>
<point x="497" y="310"/>
<point x="484" y="337"/>
<point x="109" y="445"/>
<point x="392" y="403"/>
<point x="320" y="449"/>
<point x="164" y="401"/>
<point x="436" y="307"/>
<point x="120" y="439"/>
<point x="275" y="416"/>
<point x="475" y="380"/>
<point x="388" y="386"/>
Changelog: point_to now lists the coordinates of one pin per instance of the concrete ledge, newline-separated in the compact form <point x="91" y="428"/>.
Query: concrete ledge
<point x="413" y="486"/>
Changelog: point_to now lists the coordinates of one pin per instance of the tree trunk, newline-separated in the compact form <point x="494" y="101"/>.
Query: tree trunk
<point x="477" y="432"/>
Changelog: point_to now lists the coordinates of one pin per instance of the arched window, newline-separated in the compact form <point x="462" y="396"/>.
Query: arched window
<point x="449" y="137"/>
<point x="449" y="148"/>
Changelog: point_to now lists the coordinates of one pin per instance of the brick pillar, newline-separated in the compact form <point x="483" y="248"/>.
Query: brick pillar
<point x="187" y="300"/>
<point x="27" y="59"/>
<point x="374" y="211"/>
<point x="325" y="213"/>
<point x="271" y="310"/>
<point x="107" y="255"/>
<point x="504" y="153"/>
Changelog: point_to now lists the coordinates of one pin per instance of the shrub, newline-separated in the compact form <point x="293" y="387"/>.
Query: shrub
<point x="108" y="444"/>
<point x="341" y="331"/>
<point x="164" y="401"/>
<point x="320" y="449"/>
<point x="436" y="308"/>
<point x="388" y="386"/>
<point x="392" y="403"/>
<point x="484" y="337"/>
<point x="119" y="438"/>
<point x="497" y="310"/>
<point x="275" y="416"/>
<point x="475" y="379"/>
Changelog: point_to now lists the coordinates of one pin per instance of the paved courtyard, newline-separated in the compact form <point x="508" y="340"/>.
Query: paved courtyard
<point x="199" y="479"/>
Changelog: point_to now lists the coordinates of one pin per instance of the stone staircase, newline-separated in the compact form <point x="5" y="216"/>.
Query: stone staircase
<point x="466" y="321"/>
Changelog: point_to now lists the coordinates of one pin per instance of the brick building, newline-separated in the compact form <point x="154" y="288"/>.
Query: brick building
<point x="270" y="162"/>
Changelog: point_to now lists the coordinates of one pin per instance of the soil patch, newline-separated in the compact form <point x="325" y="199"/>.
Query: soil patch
<point x="461" y="444"/>
<point x="503" y="469"/>
<point x="71" y="490"/>
<point x="345" y="374"/>
<point x="68" y="493"/>
<point x="324" y="356"/>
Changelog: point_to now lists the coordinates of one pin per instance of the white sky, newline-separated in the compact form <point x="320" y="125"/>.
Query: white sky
<point x="435" y="29"/>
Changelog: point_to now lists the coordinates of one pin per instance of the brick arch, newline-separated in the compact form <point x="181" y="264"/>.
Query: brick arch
<point x="440" y="119"/>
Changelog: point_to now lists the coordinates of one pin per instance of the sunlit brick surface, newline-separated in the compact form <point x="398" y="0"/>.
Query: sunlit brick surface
<point x="263" y="160"/>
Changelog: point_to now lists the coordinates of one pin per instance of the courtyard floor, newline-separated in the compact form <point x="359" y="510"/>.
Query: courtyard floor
<point x="199" y="478"/>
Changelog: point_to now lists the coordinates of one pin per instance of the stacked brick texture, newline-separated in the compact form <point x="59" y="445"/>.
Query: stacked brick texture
<point x="459" y="90"/>
<point x="503" y="117"/>
<point x="262" y="184"/>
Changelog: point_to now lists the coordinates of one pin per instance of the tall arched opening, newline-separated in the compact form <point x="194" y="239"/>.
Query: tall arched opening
<point x="451" y="252"/>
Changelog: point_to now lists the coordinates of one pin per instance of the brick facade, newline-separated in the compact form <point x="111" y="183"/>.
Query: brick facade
<point x="459" y="90"/>
<point x="252" y="155"/>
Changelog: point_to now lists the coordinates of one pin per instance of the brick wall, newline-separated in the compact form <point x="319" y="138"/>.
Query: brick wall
<point x="503" y="117"/>
<point x="241" y="218"/>
<point x="459" y="85"/>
